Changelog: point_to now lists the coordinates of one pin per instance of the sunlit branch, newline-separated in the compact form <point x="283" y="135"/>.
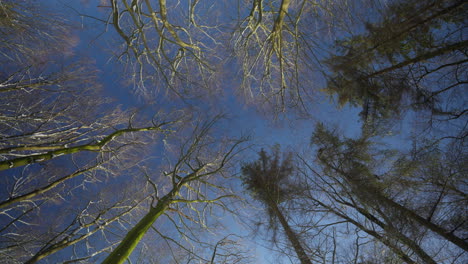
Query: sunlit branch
<point x="13" y="163"/>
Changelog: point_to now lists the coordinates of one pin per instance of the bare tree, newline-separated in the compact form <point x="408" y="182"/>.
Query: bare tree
<point x="279" y="46"/>
<point x="59" y="136"/>
<point x="85" y="219"/>
<point x="27" y="29"/>
<point x="191" y="189"/>
<point x="268" y="44"/>
<point x="166" y="46"/>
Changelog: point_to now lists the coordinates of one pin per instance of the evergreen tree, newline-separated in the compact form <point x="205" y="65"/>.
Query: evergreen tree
<point x="269" y="179"/>
<point x="394" y="64"/>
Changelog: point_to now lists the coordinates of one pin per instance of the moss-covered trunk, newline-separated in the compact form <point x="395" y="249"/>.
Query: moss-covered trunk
<point x="134" y="236"/>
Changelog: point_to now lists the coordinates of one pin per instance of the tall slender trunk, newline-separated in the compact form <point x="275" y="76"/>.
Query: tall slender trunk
<point x="376" y="194"/>
<point x="389" y="242"/>
<point x="460" y="242"/>
<point x="291" y="235"/>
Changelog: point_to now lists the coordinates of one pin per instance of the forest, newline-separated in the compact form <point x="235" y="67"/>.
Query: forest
<point x="234" y="131"/>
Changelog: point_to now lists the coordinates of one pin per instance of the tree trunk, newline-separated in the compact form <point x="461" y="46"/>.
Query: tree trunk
<point x="291" y="235"/>
<point x="124" y="249"/>
<point x="428" y="224"/>
<point x="377" y="196"/>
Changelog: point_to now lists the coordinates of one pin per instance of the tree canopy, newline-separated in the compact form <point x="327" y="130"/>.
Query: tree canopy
<point x="259" y="131"/>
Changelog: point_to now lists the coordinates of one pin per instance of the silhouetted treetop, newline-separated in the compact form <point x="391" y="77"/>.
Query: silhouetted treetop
<point x="268" y="178"/>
